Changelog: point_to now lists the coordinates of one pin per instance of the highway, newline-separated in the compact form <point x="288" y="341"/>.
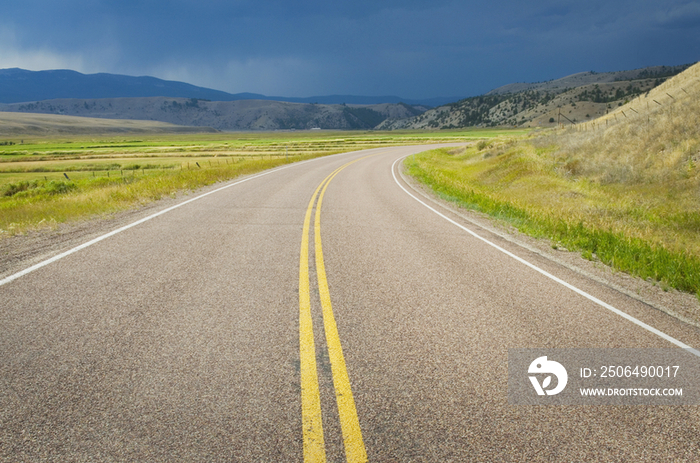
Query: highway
<point x="322" y="311"/>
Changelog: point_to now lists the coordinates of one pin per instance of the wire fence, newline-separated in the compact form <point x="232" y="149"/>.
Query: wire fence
<point x="642" y="107"/>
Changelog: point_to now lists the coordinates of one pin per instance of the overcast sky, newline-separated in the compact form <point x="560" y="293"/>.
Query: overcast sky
<point x="408" y="48"/>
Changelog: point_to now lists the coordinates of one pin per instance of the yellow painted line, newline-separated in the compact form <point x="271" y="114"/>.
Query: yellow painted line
<point x="314" y="447"/>
<point x="350" y="425"/>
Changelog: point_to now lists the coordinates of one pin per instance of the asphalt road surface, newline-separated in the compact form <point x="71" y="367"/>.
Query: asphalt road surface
<point x="245" y="325"/>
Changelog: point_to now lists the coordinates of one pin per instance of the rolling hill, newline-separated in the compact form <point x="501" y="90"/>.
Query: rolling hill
<point x="576" y="98"/>
<point x="224" y="115"/>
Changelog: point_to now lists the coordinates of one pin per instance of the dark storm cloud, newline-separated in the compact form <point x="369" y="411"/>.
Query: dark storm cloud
<point x="414" y="48"/>
<point x="681" y="16"/>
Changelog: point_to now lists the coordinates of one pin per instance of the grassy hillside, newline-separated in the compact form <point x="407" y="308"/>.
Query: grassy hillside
<point x="578" y="98"/>
<point x="591" y="78"/>
<point x="623" y="189"/>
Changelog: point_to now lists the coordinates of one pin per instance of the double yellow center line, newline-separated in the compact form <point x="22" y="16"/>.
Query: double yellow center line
<point x="314" y="447"/>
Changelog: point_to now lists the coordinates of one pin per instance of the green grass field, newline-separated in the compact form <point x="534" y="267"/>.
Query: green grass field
<point x="46" y="181"/>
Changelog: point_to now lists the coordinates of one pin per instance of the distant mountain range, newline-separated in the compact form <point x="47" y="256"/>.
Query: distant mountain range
<point x="22" y="86"/>
<point x="575" y="98"/>
<point x="224" y="115"/>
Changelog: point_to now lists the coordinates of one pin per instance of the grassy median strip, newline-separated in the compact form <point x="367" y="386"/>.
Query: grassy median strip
<point x="646" y="230"/>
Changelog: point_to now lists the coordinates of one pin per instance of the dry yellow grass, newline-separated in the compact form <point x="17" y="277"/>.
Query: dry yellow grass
<point x="653" y="137"/>
<point x="645" y="157"/>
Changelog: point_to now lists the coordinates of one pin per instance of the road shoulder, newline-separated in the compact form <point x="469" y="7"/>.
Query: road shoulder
<point x="682" y="306"/>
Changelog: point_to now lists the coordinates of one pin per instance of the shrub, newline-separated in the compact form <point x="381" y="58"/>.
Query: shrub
<point x="57" y="187"/>
<point x="12" y="189"/>
<point x="25" y="188"/>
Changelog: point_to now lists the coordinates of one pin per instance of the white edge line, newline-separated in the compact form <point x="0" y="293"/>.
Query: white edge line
<point x="549" y="275"/>
<point x="138" y="222"/>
